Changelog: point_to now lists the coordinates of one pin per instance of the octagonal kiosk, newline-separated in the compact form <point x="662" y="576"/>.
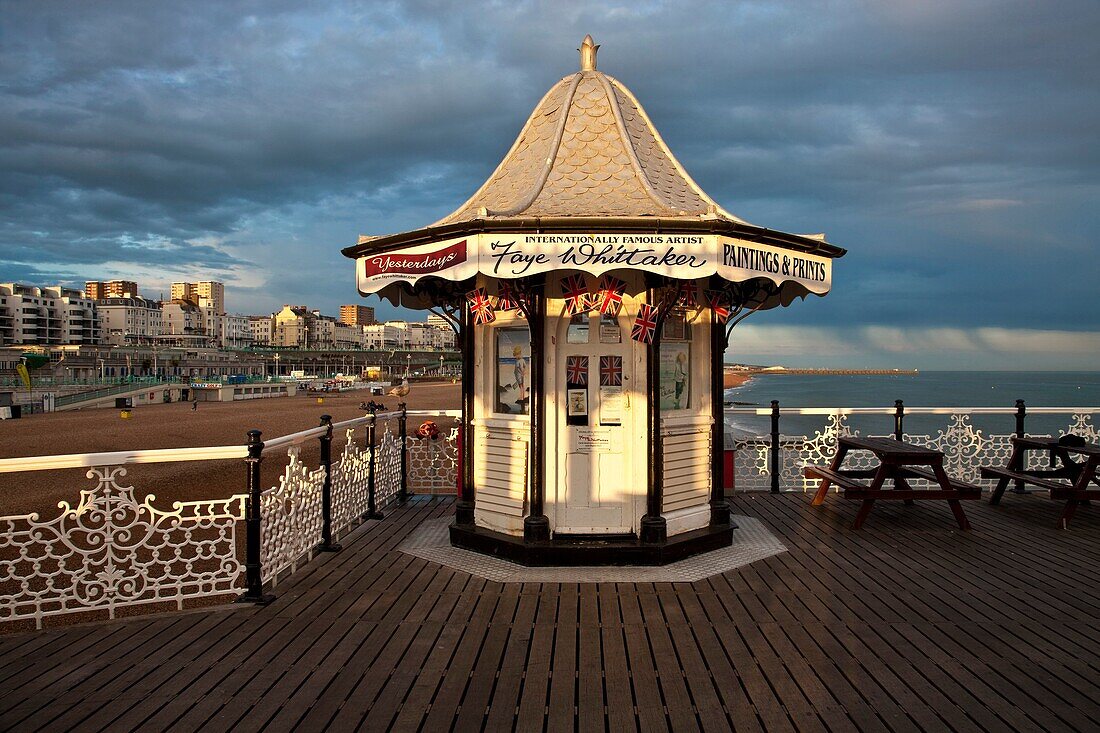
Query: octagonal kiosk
<point x="593" y="285"/>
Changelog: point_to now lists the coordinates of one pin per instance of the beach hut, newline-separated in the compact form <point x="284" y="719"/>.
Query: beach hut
<point x="592" y="283"/>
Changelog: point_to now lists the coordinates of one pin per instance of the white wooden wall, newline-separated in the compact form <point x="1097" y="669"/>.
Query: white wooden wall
<point x="501" y="468"/>
<point x="687" y="442"/>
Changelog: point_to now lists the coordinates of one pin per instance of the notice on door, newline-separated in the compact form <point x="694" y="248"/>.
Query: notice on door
<point x="593" y="440"/>
<point x="611" y="405"/>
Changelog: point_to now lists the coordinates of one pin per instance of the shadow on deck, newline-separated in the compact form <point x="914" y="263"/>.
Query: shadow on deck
<point x="907" y="624"/>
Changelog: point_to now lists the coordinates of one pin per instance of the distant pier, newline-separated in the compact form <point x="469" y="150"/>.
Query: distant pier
<point x="735" y="376"/>
<point x="908" y="372"/>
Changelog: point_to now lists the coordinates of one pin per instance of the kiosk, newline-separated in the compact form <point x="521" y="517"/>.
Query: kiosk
<point x="593" y="286"/>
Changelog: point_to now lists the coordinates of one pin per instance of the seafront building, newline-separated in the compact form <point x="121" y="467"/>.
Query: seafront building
<point x="47" y="315"/>
<point x="212" y="290"/>
<point x="194" y="318"/>
<point x="129" y="320"/>
<point x="357" y="315"/>
<point x="99" y="290"/>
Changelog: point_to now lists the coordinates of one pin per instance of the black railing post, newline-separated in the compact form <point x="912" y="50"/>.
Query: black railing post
<point x="254" y="584"/>
<point x="775" y="447"/>
<point x="1021" y="413"/>
<point x="899" y="416"/>
<point x="372" y="506"/>
<point x="327" y="545"/>
<point x="403" y="434"/>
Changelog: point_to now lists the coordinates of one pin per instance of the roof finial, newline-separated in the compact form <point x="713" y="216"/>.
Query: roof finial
<point x="588" y="54"/>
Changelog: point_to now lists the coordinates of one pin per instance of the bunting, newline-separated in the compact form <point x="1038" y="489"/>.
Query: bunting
<point x="718" y="301"/>
<point x="575" y="291"/>
<point x="506" y="297"/>
<point x="480" y="306"/>
<point x="611" y="295"/>
<point x="688" y="293"/>
<point x="645" y="325"/>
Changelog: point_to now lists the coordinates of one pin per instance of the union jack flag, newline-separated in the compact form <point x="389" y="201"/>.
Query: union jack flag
<point x="718" y="302"/>
<point x="645" y="325"/>
<point x="611" y="371"/>
<point x="575" y="291"/>
<point x="611" y="294"/>
<point x="576" y="371"/>
<point x="688" y="293"/>
<point x="480" y="306"/>
<point x="506" y="298"/>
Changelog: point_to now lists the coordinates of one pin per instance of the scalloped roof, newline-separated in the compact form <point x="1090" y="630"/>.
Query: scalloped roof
<point x="589" y="150"/>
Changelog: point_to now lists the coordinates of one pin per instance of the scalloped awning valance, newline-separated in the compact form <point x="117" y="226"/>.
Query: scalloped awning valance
<point x="509" y="256"/>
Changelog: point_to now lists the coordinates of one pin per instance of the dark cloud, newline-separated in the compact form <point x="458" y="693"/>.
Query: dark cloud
<point x="950" y="146"/>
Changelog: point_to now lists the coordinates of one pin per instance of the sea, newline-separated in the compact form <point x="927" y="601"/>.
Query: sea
<point x="926" y="389"/>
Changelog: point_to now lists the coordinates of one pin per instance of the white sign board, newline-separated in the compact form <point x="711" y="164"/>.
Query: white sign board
<point x="508" y="256"/>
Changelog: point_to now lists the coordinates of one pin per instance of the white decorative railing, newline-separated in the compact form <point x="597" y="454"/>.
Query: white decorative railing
<point x="291" y="519"/>
<point x="114" y="550"/>
<point x="433" y="461"/>
<point x="966" y="448"/>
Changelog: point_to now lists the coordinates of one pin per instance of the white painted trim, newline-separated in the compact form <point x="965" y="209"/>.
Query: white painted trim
<point x="685" y="520"/>
<point x="118" y="458"/>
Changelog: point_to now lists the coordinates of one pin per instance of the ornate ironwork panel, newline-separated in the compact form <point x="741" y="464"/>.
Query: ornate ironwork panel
<point x="388" y="469"/>
<point x="112" y="551"/>
<point x="290" y="518"/>
<point x="349" y="485"/>
<point x="433" y="462"/>
<point x="966" y="450"/>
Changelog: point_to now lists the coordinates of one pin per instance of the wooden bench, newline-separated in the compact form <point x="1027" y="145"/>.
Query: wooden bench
<point x="899" y="462"/>
<point x="1074" y="487"/>
<point x="858" y="490"/>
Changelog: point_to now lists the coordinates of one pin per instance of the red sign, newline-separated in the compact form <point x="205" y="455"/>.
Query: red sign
<point x="416" y="264"/>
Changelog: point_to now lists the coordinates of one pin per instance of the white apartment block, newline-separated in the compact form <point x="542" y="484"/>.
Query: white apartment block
<point x="382" y="336"/>
<point x="438" y="320"/>
<point x="183" y="318"/>
<point x="127" y="321"/>
<point x="236" y="332"/>
<point x="402" y="330"/>
<point x="324" y="331"/>
<point x="50" y="315"/>
<point x="348" y="336"/>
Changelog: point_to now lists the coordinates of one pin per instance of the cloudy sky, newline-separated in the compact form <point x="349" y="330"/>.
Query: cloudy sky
<point x="952" y="147"/>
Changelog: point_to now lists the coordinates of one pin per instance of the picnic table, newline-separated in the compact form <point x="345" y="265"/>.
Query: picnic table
<point x="1063" y="455"/>
<point x="898" y="462"/>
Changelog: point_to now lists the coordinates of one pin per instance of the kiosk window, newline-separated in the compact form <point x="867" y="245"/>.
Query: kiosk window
<point x="513" y="382"/>
<point x="675" y="369"/>
<point x="578" y="329"/>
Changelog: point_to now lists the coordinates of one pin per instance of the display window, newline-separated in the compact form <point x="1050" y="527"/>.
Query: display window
<point x="675" y="367"/>
<point x="513" y="369"/>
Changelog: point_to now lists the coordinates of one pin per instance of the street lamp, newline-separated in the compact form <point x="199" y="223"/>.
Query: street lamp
<point x="408" y="364"/>
<point x="441" y="365"/>
<point x="276" y="364"/>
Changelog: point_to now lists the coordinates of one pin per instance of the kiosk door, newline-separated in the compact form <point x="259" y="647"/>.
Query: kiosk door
<point x="595" y="457"/>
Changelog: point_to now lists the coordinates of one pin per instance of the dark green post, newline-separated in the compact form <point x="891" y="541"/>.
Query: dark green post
<point x="327" y="545"/>
<point x="372" y="506"/>
<point x="254" y="585"/>
<point x="403" y="434"/>
<point x="1021" y="413"/>
<point x="775" y="447"/>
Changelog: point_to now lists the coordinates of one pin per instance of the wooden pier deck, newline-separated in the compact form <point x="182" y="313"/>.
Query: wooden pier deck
<point x="905" y="625"/>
